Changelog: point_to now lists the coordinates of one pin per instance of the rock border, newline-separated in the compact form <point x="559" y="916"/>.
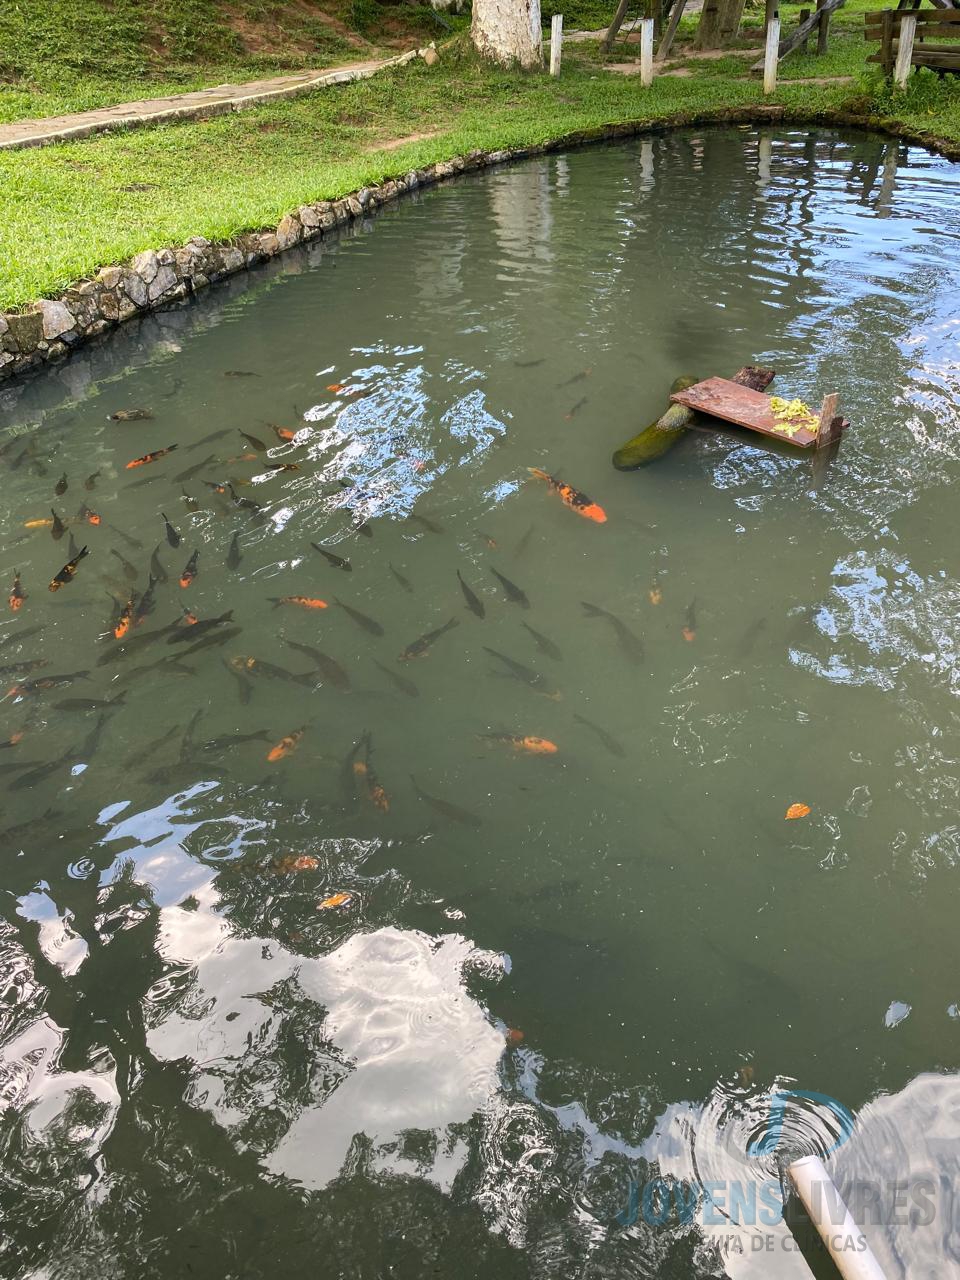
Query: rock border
<point x="46" y="331"/>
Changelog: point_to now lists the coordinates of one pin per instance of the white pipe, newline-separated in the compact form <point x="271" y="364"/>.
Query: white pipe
<point x="845" y="1242"/>
<point x="556" y="42"/>
<point x="771" y="56"/>
<point x="646" y="52"/>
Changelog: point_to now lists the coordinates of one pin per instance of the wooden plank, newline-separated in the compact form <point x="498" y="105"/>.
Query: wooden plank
<point x="770" y="56"/>
<point x="901" y="67"/>
<point x="886" y="44"/>
<point x="666" y="44"/>
<point x="830" y="422"/>
<point x="721" y="398"/>
<point x="823" y="29"/>
<point x="792" y="42"/>
<point x="923" y="16"/>
<point x="556" y="43"/>
<point x="931" y="31"/>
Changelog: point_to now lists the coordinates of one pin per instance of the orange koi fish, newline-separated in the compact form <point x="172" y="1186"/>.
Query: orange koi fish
<point x="91" y="517"/>
<point x="797" y="811"/>
<point x="337" y="387"/>
<point x="150" y="457"/>
<point x="297" y="862"/>
<point x="17" y="593"/>
<point x="283" y="433"/>
<point x="37" y="524"/>
<point x="531" y="745"/>
<point x="286" y="746"/>
<point x="305" y="602"/>
<point x="125" y="621"/>
<point x="577" y="501"/>
<point x="335" y="900"/>
<point x="690" y="622"/>
<point x="67" y="572"/>
<point x="190" y="570"/>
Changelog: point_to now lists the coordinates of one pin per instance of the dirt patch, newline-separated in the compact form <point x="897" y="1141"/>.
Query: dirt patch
<point x="395" y="143"/>
<point x="288" y="30"/>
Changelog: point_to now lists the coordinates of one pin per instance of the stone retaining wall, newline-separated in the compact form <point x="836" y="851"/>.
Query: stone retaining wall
<point x="47" y="331"/>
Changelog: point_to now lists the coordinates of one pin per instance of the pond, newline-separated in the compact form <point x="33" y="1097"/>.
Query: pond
<point x="309" y="957"/>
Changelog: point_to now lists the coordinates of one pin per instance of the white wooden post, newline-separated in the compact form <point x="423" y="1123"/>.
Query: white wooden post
<point x="646" y="52"/>
<point x="771" y="54"/>
<point x="556" y="42"/>
<point x="901" y="68"/>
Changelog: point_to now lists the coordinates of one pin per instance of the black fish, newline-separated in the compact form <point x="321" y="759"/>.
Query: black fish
<point x="529" y="364"/>
<point x="247" y="504"/>
<point x="90" y="704"/>
<point x="51" y="682"/>
<point x="89" y="748"/>
<point x="257" y="667"/>
<point x="198" y="629"/>
<point x="240" y="373"/>
<point x="233" y="555"/>
<point x="166" y="664"/>
<point x="151" y="479"/>
<point x="576" y="408"/>
<point x="349" y="779"/>
<point x="211" y="640"/>
<point x="526" y="675"/>
<point x="157" y="571"/>
<point x="91" y="481"/>
<point x="361" y="619"/>
<point x="362" y="527"/>
<point x="214" y="435"/>
<point x="631" y="644"/>
<point x="152" y="748"/>
<point x="186" y="742"/>
<point x="474" y="604"/>
<point x="544" y="644"/>
<point x="577" y="377"/>
<point x="237" y="739"/>
<point x="444" y="808"/>
<point x="23" y="669"/>
<point x="14" y="636"/>
<point x="191" y="503"/>
<point x="254" y="442"/>
<point x="489" y="539"/>
<point x="404" y="582"/>
<point x="72" y="548"/>
<point x="130" y="571"/>
<point x="146" y="605"/>
<point x="128" y="538"/>
<point x="58" y="528"/>
<point x="172" y="536"/>
<point x="514" y="593"/>
<point x="751" y="636"/>
<point x="328" y="667"/>
<point x="431" y="526"/>
<point x="403" y="684"/>
<point x="244" y="687"/>
<point x="690" y="620"/>
<point x="337" y="561"/>
<point x="132" y="415"/>
<point x="60" y="488"/>
<point x="190" y="472"/>
<point x="419" y="647"/>
<point x="609" y="741"/>
<point x="42" y="772"/>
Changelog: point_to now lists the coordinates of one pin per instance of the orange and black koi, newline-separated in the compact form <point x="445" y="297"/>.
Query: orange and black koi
<point x="190" y="570"/>
<point x="514" y="594"/>
<point x="125" y="621"/>
<point x="68" y="571"/>
<point x="287" y="745"/>
<point x="60" y="488"/>
<point x="58" y="528"/>
<point x="17" y="593"/>
<point x="378" y="797"/>
<point x="155" y="456"/>
<point x="419" y="647"/>
<point x="89" y="516"/>
<point x="130" y="571"/>
<point x="132" y="415"/>
<point x="690" y="622"/>
<point x="524" y="743"/>
<point x="218" y="486"/>
<point x="338" y="562"/>
<point x="172" y="536"/>
<point x="573" y="498"/>
<point x="304" y="602"/>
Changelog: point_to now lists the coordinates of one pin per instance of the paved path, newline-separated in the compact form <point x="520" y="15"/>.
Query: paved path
<point x="185" y="106"/>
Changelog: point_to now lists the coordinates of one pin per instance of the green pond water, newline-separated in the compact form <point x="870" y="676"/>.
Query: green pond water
<point x="601" y="967"/>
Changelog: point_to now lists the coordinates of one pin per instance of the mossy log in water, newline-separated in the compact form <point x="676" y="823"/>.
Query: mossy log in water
<point x="657" y="439"/>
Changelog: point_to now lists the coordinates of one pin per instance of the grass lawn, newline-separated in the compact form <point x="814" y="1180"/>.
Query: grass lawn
<point x="66" y="210"/>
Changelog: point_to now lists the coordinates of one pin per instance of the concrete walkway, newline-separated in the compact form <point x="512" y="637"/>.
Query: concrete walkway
<point x="187" y="106"/>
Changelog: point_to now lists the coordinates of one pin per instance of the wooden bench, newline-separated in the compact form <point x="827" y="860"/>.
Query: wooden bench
<point x="914" y="38"/>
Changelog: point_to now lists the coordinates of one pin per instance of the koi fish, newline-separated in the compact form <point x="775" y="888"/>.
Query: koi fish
<point x="335" y="900"/>
<point x="47" y="682"/>
<point x="444" y="808"/>
<point x="60" y="488"/>
<point x="403" y="684"/>
<point x="282" y="433"/>
<point x="191" y="503"/>
<point x="58" y="528"/>
<point x="173" y="538"/>
<point x="361" y="619"/>
<point x="337" y="561"/>
<point x="190" y="570"/>
<point x="573" y="498"/>
<point x="690" y="622"/>
<point x="609" y="741"/>
<point x="125" y="621"/>
<point x="189" y="619"/>
<point x="514" y="594"/>
<point x="631" y="644"/>
<point x="233" y="555"/>
<point x="66" y="574"/>
<point x="37" y="524"/>
<point x="431" y="526"/>
<point x="287" y="745"/>
<point x="247" y="504"/>
<point x="240" y="373"/>
<point x="190" y="472"/>
<point x="491" y="543"/>
<point x="244" y="687"/>
<point x="362" y="527"/>
<point x="19" y="636"/>
<point x="23" y="668"/>
<point x="146" y="605"/>
<point x="156" y="568"/>
<point x="751" y="636"/>
<point x="474" y="604"/>
<point x="795" y="811"/>
<point x="377" y="795"/>
<point x="304" y="602"/>
<point x="17" y="593"/>
<point x="90" y="704"/>
<point x="132" y="415"/>
<point x="404" y="582"/>
<point x="577" y="377"/>
<point x="257" y="667"/>
<point x="526" y="675"/>
<point x="254" y="442"/>
<point x="655" y="595"/>
<point x="531" y="745"/>
<point x="419" y="647"/>
<point x="130" y="571"/>
<point x="90" y="517"/>
<point x="236" y="739"/>
<point x="151" y="457"/>
<point x="544" y="644"/>
<point x="328" y="667"/>
<point x="575" y="409"/>
<point x="282" y="466"/>
<point x="197" y="628"/>
<point x="337" y="387"/>
<point x="218" y="486"/>
<point x="214" y="435"/>
<point x="91" y="481"/>
<point x="72" y="547"/>
<point x="524" y="542"/>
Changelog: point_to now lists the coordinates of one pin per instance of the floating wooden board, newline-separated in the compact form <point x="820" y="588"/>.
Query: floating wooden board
<point x="724" y="399"/>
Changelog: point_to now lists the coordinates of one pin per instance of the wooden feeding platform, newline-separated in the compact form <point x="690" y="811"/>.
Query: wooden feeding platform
<point x="733" y="402"/>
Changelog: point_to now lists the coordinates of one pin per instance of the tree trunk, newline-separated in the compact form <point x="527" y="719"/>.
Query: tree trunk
<point x="719" y="23"/>
<point x="508" y="31"/>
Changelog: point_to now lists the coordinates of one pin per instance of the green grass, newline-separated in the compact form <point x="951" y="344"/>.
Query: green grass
<point x="64" y="210"/>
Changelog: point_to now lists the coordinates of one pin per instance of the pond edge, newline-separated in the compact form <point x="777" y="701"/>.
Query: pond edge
<point x="48" y="330"/>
